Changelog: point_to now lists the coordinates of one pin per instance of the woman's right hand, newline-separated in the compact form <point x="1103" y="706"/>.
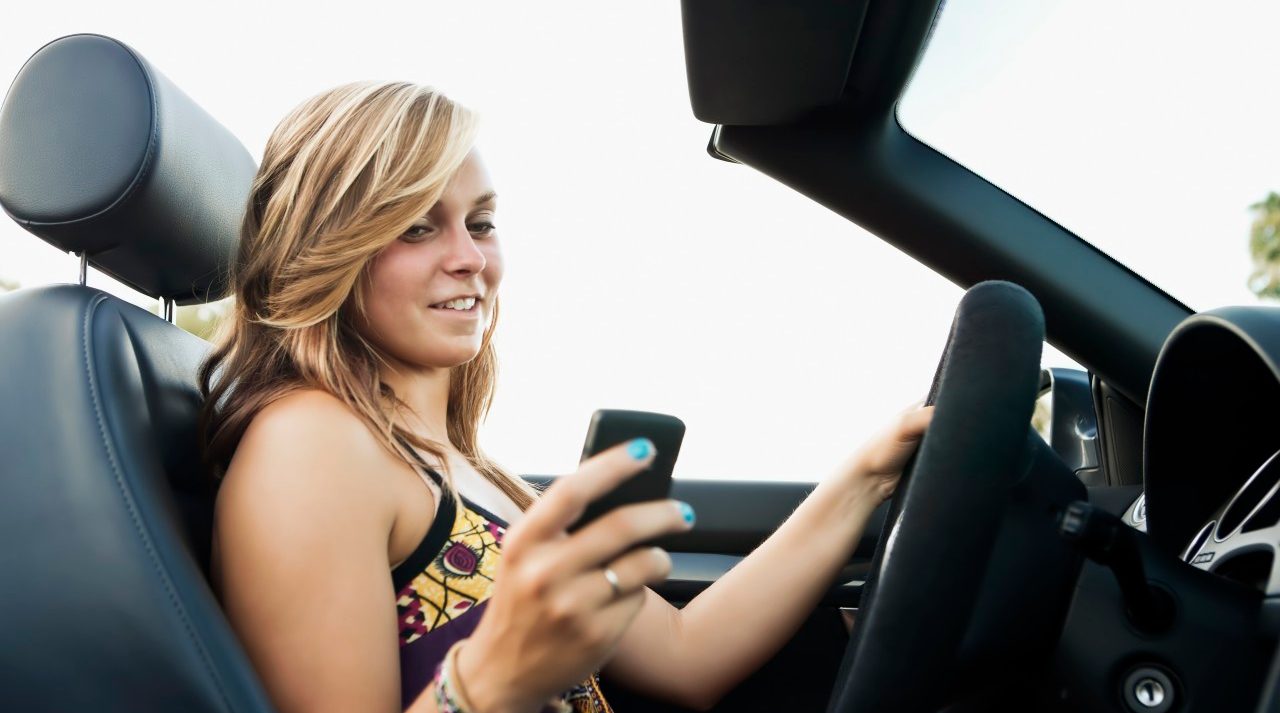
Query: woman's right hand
<point x="553" y="618"/>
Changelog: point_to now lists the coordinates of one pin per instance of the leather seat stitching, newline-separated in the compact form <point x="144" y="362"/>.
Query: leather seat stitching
<point x="126" y="496"/>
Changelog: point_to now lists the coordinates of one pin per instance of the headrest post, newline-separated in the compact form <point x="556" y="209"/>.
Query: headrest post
<point x="168" y="309"/>
<point x="84" y="268"/>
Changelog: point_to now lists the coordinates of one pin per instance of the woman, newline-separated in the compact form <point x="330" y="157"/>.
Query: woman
<point x="359" y="527"/>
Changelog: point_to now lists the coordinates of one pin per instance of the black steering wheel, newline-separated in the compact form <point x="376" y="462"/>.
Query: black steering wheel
<point x="949" y="527"/>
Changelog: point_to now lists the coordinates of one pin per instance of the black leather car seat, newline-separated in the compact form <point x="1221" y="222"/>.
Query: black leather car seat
<point x="104" y="511"/>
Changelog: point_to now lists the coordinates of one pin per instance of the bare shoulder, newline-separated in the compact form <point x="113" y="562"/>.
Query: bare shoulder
<point x="306" y="464"/>
<point x="311" y="440"/>
<point x="303" y="507"/>
<point x="307" y="421"/>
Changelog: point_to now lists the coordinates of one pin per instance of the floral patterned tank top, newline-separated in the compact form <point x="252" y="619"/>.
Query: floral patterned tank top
<point x="442" y="590"/>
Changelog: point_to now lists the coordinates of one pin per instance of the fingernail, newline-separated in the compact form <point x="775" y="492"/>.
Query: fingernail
<point x="640" y="448"/>
<point x="686" y="511"/>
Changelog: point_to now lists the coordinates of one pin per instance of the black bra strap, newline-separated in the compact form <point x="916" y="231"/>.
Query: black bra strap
<point x="435" y="476"/>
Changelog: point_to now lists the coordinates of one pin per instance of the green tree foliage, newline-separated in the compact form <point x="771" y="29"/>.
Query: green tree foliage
<point x="201" y="320"/>
<point x="1264" y="246"/>
<point x="1042" y="416"/>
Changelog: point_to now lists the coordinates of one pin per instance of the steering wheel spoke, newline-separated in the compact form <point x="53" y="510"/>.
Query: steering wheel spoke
<point x="1241" y="540"/>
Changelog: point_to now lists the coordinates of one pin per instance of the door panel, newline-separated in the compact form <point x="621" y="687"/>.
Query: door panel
<point x="734" y="517"/>
<point x="692" y="572"/>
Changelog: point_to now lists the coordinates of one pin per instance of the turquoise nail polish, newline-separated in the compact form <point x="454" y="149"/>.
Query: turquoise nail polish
<point x="640" y="448"/>
<point x="686" y="511"/>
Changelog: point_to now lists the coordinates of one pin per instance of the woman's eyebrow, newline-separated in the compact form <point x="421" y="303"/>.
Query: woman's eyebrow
<point x="489" y="197"/>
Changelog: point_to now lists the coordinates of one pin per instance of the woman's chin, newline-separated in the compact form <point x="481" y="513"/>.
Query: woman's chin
<point x="437" y="356"/>
<point x="449" y="358"/>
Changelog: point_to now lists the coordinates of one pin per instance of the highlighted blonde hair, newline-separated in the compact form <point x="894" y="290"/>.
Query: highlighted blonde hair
<point x="342" y="177"/>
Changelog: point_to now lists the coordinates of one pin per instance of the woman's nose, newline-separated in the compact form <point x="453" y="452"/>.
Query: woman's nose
<point x="464" y="256"/>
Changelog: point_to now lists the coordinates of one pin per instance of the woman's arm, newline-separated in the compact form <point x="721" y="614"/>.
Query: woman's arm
<point x="695" y="655"/>
<point x="302" y="527"/>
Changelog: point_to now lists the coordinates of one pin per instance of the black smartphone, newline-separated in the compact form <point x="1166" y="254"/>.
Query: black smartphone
<point x="608" y="428"/>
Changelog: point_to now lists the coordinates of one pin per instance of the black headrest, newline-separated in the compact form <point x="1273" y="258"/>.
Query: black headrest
<point x="101" y="153"/>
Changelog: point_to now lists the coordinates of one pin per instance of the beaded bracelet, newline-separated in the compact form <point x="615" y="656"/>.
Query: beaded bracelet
<point x="451" y="696"/>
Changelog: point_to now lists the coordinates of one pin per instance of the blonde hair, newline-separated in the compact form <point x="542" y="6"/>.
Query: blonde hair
<point x="342" y="177"/>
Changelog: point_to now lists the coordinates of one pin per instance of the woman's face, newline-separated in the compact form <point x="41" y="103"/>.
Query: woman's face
<point x="431" y="292"/>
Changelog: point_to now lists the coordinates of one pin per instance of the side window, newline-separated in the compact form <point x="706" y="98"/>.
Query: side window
<point x="783" y="335"/>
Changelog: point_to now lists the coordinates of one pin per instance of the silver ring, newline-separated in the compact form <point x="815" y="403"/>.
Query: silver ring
<point x="612" y="578"/>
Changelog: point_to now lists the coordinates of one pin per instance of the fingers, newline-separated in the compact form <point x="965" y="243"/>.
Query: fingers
<point x="622" y="529"/>
<point x="914" y="423"/>
<point x="888" y="452"/>
<point x="640" y="568"/>
<point x="565" y="501"/>
<point x="618" y="614"/>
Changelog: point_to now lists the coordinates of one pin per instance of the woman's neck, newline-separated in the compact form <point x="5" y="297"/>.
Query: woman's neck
<point x="426" y="393"/>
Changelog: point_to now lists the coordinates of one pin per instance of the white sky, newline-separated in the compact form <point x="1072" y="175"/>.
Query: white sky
<point x="640" y="272"/>
<point x="1147" y="128"/>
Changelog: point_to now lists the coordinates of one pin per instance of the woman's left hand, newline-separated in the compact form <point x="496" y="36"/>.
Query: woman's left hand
<point x="878" y="465"/>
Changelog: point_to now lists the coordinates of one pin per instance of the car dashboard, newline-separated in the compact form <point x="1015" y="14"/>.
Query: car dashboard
<point x="1210" y="511"/>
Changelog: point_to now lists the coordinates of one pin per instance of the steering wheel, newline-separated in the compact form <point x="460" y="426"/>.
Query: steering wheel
<point x="945" y="519"/>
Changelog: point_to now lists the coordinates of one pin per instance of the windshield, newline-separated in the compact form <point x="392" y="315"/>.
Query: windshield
<point x="1146" y="128"/>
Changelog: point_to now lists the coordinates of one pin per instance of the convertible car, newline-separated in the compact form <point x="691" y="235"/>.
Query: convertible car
<point x="1125" y="563"/>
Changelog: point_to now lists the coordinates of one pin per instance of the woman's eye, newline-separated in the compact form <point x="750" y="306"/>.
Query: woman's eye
<point x="484" y="229"/>
<point x="417" y="232"/>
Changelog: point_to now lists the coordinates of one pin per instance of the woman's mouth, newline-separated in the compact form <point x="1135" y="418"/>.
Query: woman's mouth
<point x="459" y="306"/>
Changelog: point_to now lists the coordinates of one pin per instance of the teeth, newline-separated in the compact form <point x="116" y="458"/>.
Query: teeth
<point x="462" y="303"/>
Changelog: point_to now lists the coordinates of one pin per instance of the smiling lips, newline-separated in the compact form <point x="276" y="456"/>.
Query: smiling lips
<point x="459" y="305"/>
